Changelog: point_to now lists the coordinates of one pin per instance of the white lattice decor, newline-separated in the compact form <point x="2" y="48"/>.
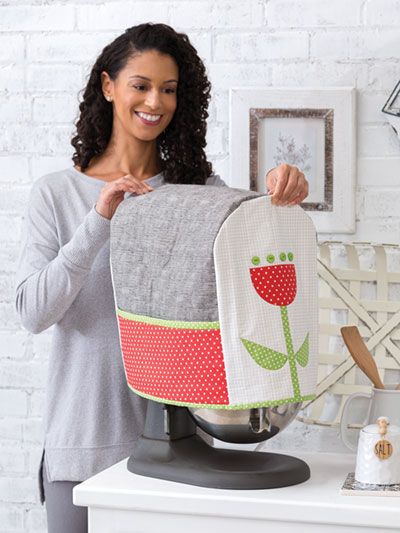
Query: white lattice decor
<point x="359" y="284"/>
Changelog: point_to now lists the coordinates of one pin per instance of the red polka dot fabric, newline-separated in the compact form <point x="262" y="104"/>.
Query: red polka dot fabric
<point x="176" y="364"/>
<point x="276" y="284"/>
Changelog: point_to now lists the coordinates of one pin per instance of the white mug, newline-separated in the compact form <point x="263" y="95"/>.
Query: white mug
<point x="368" y="408"/>
<point x="378" y="455"/>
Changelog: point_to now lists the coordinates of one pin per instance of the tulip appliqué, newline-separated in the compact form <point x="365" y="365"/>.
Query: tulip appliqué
<point x="276" y="284"/>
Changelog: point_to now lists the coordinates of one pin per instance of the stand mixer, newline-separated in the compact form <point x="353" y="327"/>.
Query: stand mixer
<point x="197" y="338"/>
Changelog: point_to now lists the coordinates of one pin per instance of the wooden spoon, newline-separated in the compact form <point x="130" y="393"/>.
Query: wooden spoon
<point x="361" y="355"/>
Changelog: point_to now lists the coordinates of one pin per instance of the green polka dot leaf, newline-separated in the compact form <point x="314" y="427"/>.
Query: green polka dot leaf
<point x="302" y="354"/>
<point x="265" y="357"/>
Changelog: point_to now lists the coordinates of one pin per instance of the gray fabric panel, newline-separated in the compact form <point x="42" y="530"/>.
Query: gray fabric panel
<point x="161" y="249"/>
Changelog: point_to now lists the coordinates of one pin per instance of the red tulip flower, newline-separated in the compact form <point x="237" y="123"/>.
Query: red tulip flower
<point x="276" y="284"/>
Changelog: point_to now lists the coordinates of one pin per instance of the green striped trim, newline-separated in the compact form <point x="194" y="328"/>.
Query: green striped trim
<point x="224" y="406"/>
<point x="168" y="323"/>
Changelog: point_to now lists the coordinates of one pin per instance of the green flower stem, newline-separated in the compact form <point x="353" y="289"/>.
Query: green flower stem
<point x="289" y="347"/>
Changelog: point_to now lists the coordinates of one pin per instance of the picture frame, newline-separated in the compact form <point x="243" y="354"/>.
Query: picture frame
<point x="311" y="128"/>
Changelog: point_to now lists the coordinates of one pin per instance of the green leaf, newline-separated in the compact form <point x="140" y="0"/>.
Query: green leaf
<point x="302" y="354"/>
<point x="265" y="357"/>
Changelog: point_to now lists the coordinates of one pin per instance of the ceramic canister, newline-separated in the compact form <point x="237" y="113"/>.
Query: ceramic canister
<point x="378" y="454"/>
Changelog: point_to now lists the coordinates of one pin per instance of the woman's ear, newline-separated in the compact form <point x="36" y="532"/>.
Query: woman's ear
<point x="107" y="86"/>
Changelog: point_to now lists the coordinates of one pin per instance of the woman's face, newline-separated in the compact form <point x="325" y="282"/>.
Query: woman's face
<point x="144" y="94"/>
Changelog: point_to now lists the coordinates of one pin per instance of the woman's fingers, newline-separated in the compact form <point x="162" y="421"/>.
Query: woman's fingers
<point x="292" y="187"/>
<point x="139" y="185"/>
<point x="112" y="194"/>
<point x="300" y="197"/>
<point x="300" y="193"/>
<point x="288" y="183"/>
<point x="281" y="175"/>
<point x="128" y="184"/>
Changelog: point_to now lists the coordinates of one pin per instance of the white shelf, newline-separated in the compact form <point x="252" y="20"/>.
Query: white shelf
<point x="117" y="499"/>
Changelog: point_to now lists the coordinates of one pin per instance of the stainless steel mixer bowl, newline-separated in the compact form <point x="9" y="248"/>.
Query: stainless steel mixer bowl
<point x="245" y="425"/>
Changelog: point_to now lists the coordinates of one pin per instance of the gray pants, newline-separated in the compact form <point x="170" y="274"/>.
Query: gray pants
<point x="62" y="515"/>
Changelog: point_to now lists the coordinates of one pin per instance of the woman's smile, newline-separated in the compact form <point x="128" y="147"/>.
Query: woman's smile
<point x="149" y="119"/>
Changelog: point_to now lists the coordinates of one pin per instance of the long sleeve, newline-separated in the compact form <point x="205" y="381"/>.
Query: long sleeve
<point x="216" y="181"/>
<point x="48" y="276"/>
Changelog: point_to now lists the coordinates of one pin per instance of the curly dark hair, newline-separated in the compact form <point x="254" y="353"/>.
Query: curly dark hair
<point x="181" y="145"/>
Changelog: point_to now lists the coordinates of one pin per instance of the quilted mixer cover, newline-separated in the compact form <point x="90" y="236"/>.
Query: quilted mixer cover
<point x="216" y="297"/>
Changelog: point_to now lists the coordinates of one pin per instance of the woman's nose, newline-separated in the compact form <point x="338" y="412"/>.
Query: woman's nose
<point x="153" y="100"/>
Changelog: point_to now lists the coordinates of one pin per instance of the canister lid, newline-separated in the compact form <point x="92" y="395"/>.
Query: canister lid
<point x="382" y="421"/>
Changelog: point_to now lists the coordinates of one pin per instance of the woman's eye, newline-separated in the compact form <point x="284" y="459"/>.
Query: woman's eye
<point x="140" y="87"/>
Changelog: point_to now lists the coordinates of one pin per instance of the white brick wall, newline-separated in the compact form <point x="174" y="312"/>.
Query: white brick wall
<point x="46" y="50"/>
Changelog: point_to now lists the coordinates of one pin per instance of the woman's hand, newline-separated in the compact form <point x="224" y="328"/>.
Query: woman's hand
<point x="112" y="194"/>
<point x="287" y="185"/>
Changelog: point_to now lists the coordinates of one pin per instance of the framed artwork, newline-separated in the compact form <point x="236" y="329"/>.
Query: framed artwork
<point x="313" y="129"/>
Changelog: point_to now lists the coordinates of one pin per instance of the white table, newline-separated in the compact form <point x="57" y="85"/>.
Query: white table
<point x="121" y="502"/>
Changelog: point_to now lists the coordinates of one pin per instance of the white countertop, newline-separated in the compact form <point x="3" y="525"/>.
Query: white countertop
<point x="317" y="501"/>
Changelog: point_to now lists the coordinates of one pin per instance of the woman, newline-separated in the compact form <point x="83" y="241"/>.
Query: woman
<point x="142" y="123"/>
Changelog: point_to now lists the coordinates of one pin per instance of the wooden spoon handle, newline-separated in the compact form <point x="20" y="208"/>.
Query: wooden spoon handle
<point x="361" y="355"/>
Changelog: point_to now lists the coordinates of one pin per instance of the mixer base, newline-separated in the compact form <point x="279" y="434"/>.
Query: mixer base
<point x="170" y="449"/>
<point x="190" y="460"/>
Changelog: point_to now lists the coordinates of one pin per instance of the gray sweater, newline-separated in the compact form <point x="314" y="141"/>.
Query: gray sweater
<point x="63" y="279"/>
